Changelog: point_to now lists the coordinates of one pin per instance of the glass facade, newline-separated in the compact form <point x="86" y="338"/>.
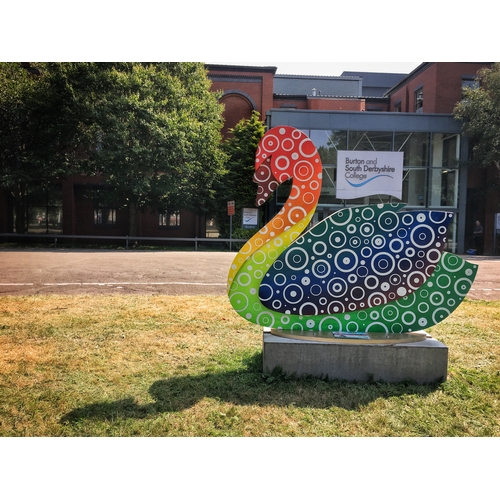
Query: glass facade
<point x="430" y="170"/>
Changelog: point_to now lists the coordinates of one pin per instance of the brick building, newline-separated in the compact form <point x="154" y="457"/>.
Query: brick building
<point x="408" y="111"/>
<point x="395" y="108"/>
<point x="248" y="88"/>
<point x="436" y="88"/>
<point x="244" y="89"/>
<point x="433" y="87"/>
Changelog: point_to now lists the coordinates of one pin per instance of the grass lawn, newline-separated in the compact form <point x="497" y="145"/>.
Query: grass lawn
<point x="190" y="366"/>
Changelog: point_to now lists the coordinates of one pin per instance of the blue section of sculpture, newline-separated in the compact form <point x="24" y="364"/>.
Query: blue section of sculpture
<point x="354" y="259"/>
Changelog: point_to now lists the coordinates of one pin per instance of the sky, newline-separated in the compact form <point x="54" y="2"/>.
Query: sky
<point x="318" y="32"/>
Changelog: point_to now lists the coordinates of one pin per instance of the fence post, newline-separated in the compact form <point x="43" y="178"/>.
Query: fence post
<point x="126" y="242"/>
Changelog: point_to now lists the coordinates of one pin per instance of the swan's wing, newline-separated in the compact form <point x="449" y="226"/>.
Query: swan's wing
<point x="355" y="259"/>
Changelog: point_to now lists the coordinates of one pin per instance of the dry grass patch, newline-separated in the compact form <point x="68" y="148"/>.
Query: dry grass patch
<point x="190" y="366"/>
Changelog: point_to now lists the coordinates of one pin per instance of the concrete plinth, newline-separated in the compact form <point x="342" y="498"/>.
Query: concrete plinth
<point x="423" y="362"/>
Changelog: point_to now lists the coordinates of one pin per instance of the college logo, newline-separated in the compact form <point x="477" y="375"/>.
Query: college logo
<point x="365" y="173"/>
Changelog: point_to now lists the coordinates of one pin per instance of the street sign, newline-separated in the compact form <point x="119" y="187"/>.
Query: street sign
<point x="230" y="208"/>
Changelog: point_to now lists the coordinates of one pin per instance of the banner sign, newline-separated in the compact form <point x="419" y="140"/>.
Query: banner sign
<point x="365" y="173"/>
<point x="250" y="218"/>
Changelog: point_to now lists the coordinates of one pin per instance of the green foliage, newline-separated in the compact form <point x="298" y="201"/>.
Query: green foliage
<point x="240" y="234"/>
<point x="151" y="129"/>
<point x="480" y="110"/>
<point x="39" y="127"/>
<point x="246" y="234"/>
<point x="157" y="128"/>
<point x="237" y="183"/>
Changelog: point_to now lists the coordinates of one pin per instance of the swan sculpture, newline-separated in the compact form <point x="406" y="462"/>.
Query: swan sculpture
<point x="364" y="272"/>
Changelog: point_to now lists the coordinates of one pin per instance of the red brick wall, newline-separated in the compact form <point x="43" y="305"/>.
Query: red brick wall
<point x="449" y="83"/>
<point x="483" y="201"/>
<point x="406" y="94"/>
<point x="322" y="104"/>
<point x="149" y="226"/>
<point x="236" y="108"/>
<point x="286" y="102"/>
<point x="399" y="97"/>
<point x="336" y="104"/>
<point x="84" y="216"/>
<point x="78" y="215"/>
<point x="245" y="89"/>
<point x="267" y="92"/>
<point x="442" y="86"/>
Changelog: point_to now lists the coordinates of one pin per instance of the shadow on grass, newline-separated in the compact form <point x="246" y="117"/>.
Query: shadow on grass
<point x="247" y="386"/>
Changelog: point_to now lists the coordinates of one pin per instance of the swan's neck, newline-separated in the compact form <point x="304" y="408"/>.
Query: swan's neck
<point x="285" y="227"/>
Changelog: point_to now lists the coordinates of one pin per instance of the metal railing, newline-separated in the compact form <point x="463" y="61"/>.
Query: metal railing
<point x="127" y="239"/>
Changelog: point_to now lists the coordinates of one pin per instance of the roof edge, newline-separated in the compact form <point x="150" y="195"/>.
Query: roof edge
<point x="248" y="69"/>
<point x="408" y="77"/>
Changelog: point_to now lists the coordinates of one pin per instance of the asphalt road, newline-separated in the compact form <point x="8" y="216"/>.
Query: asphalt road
<point x="29" y="272"/>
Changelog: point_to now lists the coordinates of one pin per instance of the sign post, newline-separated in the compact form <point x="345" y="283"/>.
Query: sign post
<point x="230" y="211"/>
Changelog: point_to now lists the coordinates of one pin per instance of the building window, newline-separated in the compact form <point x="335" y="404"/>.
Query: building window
<point x="397" y="107"/>
<point x="44" y="209"/>
<point x="369" y="141"/>
<point x="170" y="219"/>
<point x="104" y="216"/>
<point x="444" y="172"/>
<point x="211" y="229"/>
<point x="419" y="100"/>
<point x="415" y="146"/>
<point x="470" y="82"/>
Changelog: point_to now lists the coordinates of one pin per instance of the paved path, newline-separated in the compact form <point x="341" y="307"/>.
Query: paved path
<point x="106" y="272"/>
<point x="29" y="272"/>
<point x="486" y="286"/>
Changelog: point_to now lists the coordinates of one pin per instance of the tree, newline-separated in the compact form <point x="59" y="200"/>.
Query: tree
<point x="40" y="134"/>
<point x="237" y="184"/>
<point x="480" y="111"/>
<point x="157" y="131"/>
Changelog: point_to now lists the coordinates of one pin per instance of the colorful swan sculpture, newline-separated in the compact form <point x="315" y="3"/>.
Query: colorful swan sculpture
<point x="364" y="272"/>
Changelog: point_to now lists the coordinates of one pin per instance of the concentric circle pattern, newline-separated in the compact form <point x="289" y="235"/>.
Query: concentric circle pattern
<point x="373" y="265"/>
<point x="371" y="269"/>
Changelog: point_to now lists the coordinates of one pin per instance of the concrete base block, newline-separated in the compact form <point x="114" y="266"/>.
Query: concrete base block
<point x="423" y="362"/>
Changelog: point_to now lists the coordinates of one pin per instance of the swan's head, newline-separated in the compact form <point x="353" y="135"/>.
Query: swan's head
<point x="283" y="153"/>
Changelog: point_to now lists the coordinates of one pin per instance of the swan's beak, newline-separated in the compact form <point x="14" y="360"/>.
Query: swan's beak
<point x="266" y="181"/>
